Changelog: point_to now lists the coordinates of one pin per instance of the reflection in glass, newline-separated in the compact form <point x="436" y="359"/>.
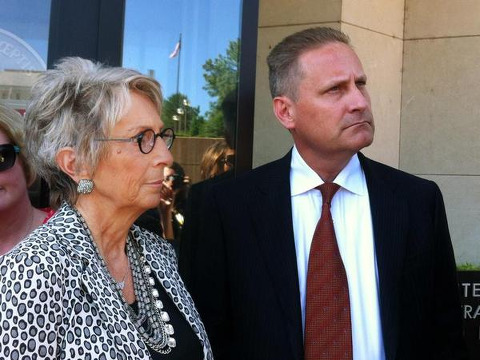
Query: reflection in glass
<point x="23" y="48"/>
<point x="192" y="48"/>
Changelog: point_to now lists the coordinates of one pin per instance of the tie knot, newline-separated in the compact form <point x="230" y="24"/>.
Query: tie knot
<point x="328" y="190"/>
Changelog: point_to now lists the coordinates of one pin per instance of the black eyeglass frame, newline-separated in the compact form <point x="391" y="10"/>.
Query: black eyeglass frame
<point x="229" y="160"/>
<point x="138" y="138"/>
<point x="12" y="151"/>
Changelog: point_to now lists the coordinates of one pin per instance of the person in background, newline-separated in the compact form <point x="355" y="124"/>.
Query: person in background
<point x="196" y="214"/>
<point x="166" y="219"/>
<point x="217" y="159"/>
<point x="172" y="205"/>
<point x="89" y="283"/>
<point x="18" y="217"/>
<point x="326" y="254"/>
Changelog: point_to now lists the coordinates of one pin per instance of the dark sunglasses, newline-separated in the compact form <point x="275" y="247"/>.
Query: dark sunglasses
<point x="229" y="160"/>
<point x="8" y="154"/>
<point x="172" y="177"/>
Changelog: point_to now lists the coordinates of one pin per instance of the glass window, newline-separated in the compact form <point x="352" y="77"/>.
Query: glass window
<point x="192" y="48"/>
<point x="24" y="26"/>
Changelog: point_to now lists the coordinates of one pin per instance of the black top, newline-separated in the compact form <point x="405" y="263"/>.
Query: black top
<point x="188" y="344"/>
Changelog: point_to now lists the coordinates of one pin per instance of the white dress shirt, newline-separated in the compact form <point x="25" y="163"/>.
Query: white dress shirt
<point x="352" y="220"/>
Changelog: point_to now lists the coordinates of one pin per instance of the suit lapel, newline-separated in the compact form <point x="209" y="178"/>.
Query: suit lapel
<point x="272" y="218"/>
<point x="390" y="224"/>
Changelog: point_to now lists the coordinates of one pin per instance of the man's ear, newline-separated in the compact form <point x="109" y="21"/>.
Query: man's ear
<point x="66" y="160"/>
<point x="283" y="107"/>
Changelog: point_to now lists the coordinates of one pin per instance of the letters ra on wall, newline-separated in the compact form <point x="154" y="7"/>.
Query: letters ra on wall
<point x="469" y="285"/>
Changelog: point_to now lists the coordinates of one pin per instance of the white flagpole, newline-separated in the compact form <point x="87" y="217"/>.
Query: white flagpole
<point x="178" y="65"/>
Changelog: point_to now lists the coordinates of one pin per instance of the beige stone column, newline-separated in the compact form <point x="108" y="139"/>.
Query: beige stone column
<point x="440" y="120"/>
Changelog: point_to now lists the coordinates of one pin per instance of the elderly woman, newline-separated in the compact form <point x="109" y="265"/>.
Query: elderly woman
<point x="89" y="284"/>
<point x="18" y="217"/>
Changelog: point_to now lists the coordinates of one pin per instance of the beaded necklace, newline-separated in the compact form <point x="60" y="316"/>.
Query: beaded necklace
<point x="151" y="320"/>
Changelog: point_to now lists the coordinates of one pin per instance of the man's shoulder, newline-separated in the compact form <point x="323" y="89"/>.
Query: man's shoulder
<point x="259" y="177"/>
<point x="390" y="175"/>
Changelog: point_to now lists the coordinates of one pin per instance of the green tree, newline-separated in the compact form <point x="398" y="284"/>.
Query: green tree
<point x="178" y="114"/>
<point x="221" y="76"/>
<point x="213" y="127"/>
<point x="196" y="125"/>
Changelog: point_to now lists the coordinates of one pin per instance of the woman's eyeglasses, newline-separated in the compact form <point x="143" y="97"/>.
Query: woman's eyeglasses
<point x="8" y="154"/>
<point x="146" y="139"/>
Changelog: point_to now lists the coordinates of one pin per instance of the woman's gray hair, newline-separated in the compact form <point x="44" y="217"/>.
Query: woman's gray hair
<point x="72" y="105"/>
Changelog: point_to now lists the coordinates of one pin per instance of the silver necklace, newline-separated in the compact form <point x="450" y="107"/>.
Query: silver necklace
<point x="152" y="321"/>
<point x="121" y="284"/>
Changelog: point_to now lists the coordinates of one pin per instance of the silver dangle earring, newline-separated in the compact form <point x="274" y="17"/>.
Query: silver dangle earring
<point x="85" y="186"/>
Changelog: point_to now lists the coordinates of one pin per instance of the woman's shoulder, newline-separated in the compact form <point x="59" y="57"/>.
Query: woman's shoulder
<point x="37" y="265"/>
<point x="42" y="246"/>
<point x="154" y="244"/>
<point x="50" y="245"/>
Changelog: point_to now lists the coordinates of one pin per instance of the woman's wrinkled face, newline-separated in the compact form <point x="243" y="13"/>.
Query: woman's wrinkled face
<point x="127" y="178"/>
<point x="13" y="185"/>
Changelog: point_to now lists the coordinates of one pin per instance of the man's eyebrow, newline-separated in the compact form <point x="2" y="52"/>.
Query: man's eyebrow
<point x="335" y="82"/>
<point x="362" y="77"/>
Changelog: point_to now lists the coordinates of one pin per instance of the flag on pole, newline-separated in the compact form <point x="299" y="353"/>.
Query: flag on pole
<point x="176" y="50"/>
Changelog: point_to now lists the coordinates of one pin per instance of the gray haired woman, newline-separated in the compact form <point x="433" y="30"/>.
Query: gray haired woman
<point x="89" y="284"/>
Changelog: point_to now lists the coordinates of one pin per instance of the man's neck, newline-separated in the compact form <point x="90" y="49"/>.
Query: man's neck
<point x="327" y="167"/>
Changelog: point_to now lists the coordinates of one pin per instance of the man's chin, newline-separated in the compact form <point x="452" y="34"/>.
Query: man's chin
<point x="362" y="141"/>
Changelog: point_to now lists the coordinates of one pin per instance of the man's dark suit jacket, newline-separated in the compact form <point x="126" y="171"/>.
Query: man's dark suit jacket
<point x="245" y="284"/>
<point x="195" y="215"/>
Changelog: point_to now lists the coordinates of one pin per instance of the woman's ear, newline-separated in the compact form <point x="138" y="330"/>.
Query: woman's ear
<point x="284" y="108"/>
<point x="66" y="160"/>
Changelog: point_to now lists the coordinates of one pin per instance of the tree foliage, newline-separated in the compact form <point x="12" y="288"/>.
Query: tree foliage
<point x="221" y="73"/>
<point x="178" y="114"/>
<point x="221" y="76"/>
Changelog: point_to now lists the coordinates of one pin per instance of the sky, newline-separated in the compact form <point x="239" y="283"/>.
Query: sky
<point x="24" y="23"/>
<point x="152" y="29"/>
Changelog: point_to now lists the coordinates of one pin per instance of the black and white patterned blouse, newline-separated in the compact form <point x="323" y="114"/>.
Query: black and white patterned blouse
<point x="57" y="303"/>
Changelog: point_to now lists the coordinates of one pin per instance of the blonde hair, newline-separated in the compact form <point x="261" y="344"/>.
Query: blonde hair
<point x="72" y="105"/>
<point x="212" y="160"/>
<point x="13" y="125"/>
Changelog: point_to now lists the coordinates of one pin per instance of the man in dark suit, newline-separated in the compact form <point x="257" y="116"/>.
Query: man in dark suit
<point x="252" y="274"/>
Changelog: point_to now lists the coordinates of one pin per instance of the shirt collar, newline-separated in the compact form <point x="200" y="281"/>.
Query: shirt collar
<point x="303" y="178"/>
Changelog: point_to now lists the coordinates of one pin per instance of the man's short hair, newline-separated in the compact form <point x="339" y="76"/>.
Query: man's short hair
<point x="282" y="61"/>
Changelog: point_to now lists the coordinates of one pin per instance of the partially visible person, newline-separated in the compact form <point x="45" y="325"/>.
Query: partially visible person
<point x="89" y="284"/>
<point x="18" y="217"/>
<point x="173" y="202"/>
<point x="167" y="219"/>
<point x="172" y="207"/>
<point x="217" y="159"/>
<point x="196" y="214"/>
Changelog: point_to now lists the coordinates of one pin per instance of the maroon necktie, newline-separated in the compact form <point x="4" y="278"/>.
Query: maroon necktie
<point x="328" y="330"/>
